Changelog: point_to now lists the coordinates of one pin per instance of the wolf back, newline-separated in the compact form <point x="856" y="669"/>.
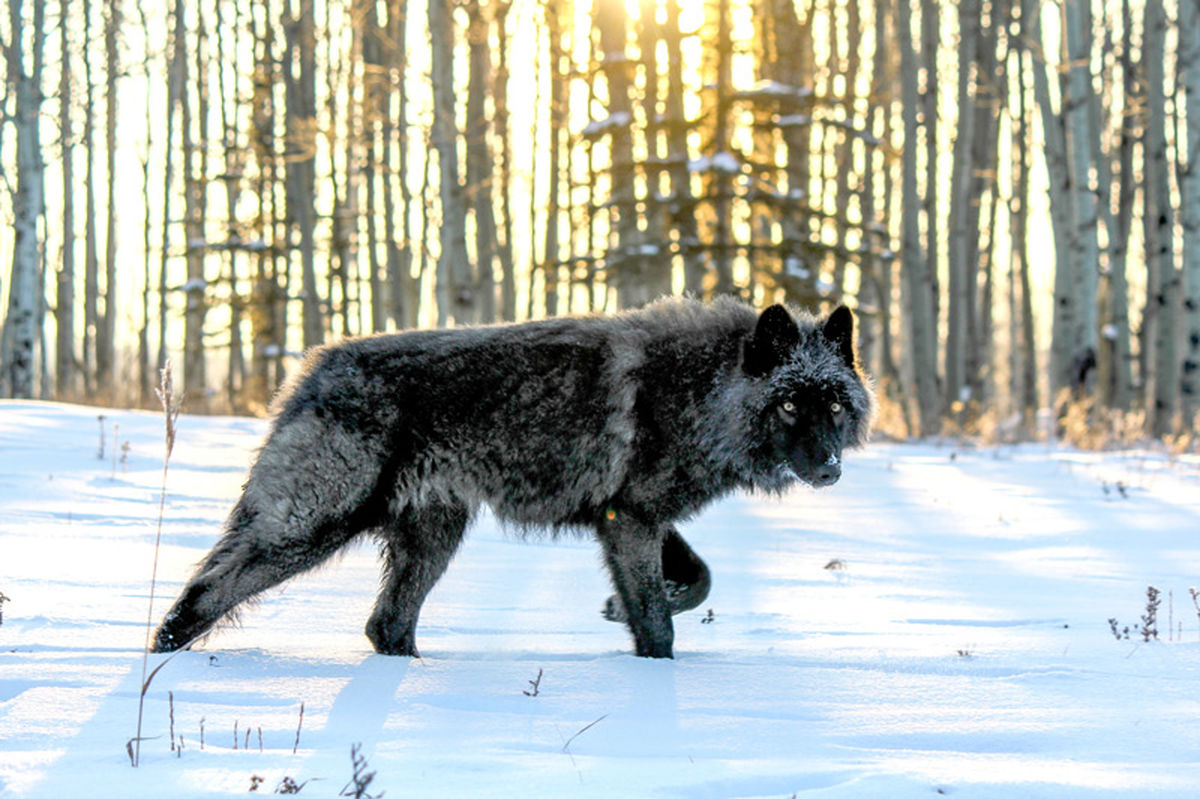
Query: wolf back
<point x="622" y="425"/>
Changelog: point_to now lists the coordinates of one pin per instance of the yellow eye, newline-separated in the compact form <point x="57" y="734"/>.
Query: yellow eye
<point x="789" y="407"/>
<point x="835" y="408"/>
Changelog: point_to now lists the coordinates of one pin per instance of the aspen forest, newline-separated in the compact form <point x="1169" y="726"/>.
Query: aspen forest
<point x="1007" y="192"/>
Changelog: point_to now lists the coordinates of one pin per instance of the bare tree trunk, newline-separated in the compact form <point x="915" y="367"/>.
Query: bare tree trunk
<point x="1025" y="353"/>
<point x="930" y="20"/>
<point x="360" y="156"/>
<point x="919" y="281"/>
<point x="266" y="331"/>
<point x="1163" y="289"/>
<point x="458" y="297"/>
<point x="961" y="263"/>
<point x="508" y="280"/>
<point x="557" y="130"/>
<point x="654" y="259"/>
<point x="722" y="181"/>
<point x="480" y="169"/>
<point x="848" y="143"/>
<point x="683" y="204"/>
<point x="405" y="294"/>
<point x="1116" y="363"/>
<point x="231" y="177"/>
<point x="875" y="333"/>
<point x="301" y="158"/>
<point x="145" y="378"/>
<point x="426" y="203"/>
<point x="795" y="70"/>
<point x="374" y="132"/>
<point x="989" y="104"/>
<point x="195" y="180"/>
<point x="22" y="322"/>
<point x="624" y="261"/>
<point x="176" y="87"/>
<point x="106" y="346"/>
<point x="91" y="260"/>
<point x="1079" y="320"/>
<point x="65" y="364"/>
<point x="1061" y="214"/>
<point x="1189" y="70"/>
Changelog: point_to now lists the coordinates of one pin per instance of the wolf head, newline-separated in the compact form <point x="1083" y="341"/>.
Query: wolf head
<point x="811" y="400"/>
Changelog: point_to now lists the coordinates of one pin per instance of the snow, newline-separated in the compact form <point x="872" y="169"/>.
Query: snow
<point x="721" y="162"/>
<point x="794" y="266"/>
<point x="772" y="88"/>
<point x="958" y="642"/>
<point x="597" y="126"/>
<point x="794" y="120"/>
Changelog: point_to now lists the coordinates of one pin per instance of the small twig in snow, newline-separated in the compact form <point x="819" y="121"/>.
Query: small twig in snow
<point x="1195" y="601"/>
<point x="299" y="724"/>
<point x="583" y="730"/>
<point x="534" y="684"/>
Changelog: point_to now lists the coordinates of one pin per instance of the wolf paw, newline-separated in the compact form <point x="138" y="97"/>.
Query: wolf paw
<point x="614" y="608"/>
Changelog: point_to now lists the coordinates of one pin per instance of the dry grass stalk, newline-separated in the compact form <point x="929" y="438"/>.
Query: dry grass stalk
<point x="170" y="405"/>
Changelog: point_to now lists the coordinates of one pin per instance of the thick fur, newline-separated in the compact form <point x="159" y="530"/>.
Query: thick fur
<point x="622" y="425"/>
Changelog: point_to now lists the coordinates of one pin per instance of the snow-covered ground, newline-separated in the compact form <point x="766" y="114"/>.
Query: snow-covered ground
<point x="936" y="623"/>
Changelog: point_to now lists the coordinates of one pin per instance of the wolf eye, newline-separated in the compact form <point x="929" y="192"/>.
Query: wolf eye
<point x="835" y="408"/>
<point x="789" y="407"/>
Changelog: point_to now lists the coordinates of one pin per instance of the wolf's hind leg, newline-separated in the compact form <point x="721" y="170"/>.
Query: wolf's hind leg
<point x="417" y="548"/>
<point x="249" y="559"/>
<point x="312" y="490"/>
<point x="685" y="576"/>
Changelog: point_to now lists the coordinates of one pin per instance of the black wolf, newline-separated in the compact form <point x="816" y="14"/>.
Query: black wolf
<point x="622" y="425"/>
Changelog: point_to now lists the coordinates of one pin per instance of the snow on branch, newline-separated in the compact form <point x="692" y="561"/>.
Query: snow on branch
<point x="774" y="90"/>
<point x="598" y="127"/>
<point x="724" y="161"/>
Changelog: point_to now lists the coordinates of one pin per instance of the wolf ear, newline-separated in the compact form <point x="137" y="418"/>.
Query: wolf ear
<point x="839" y="329"/>
<point x="774" y="338"/>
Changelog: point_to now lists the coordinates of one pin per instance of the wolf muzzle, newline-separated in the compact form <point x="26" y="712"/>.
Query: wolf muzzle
<point x="822" y="474"/>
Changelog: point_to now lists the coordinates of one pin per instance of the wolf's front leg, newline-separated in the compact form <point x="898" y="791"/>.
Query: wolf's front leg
<point x="633" y="552"/>
<point x="685" y="576"/>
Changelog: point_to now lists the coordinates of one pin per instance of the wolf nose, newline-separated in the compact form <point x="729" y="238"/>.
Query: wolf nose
<point x="827" y="474"/>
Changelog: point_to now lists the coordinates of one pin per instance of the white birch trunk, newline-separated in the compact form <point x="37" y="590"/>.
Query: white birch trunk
<point x="1061" y="214"/>
<point x="65" y="296"/>
<point x="106" y="335"/>
<point x="299" y="71"/>
<point x="960" y="258"/>
<point x="1082" y="330"/>
<point x="1189" y="69"/>
<point x="1162" y="300"/>
<point x="480" y="169"/>
<point x="918" y="295"/>
<point x="1117" y="367"/>
<point x="455" y="286"/>
<point x="22" y="322"/>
